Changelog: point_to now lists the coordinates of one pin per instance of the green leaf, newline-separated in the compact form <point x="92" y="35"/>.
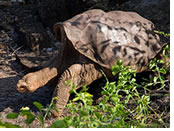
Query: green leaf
<point x="25" y="112"/>
<point x="58" y="124"/>
<point x="104" y="93"/>
<point x="115" y="69"/>
<point x="87" y="94"/>
<point x="115" y="99"/>
<point x="152" y="63"/>
<point x="12" y="116"/>
<point x="162" y="33"/>
<point x="54" y="107"/>
<point x="160" y="61"/>
<point x="29" y="116"/>
<point x="9" y="125"/>
<point x="163" y="71"/>
<point x="155" y="79"/>
<point x="30" y="119"/>
<point x="76" y="99"/>
<point x="120" y="62"/>
<point x="84" y="88"/>
<point x="41" y="119"/>
<point x="98" y="115"/>
<point x="72" y="91"/>
<point x="83" y="113"/>
<point x="126" y="91"/>
<point x="128" y="98"/>
<point x="38" y="105"/>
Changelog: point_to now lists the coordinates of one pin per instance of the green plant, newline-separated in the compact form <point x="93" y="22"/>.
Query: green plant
<point x="7" y="124"/>
<point x="124" y="102"/>
<point x="162" y="33"/>
<point x="113" y="110"/>
<point x="30" y="117"/>
<point x="160" y="71"/>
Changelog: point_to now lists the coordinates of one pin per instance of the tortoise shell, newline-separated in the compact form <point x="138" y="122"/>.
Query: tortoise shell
<point x="106" y="37"/>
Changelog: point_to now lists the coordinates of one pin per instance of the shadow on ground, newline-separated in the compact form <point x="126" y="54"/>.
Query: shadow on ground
<point x="9" y="97"/>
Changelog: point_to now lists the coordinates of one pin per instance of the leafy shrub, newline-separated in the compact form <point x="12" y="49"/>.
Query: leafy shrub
<point x="124" y="103"/>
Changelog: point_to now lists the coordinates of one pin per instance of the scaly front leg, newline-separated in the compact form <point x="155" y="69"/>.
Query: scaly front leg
<point x="32" y="81"/>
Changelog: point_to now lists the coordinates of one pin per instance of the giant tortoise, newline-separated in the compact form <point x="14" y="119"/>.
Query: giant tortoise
<point x="92" y="42"/>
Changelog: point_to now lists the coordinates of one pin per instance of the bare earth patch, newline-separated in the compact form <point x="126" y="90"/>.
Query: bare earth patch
<point x="12" y="101"/>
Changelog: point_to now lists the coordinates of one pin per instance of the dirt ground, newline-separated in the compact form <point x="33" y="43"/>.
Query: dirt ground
<point x="18" y="24"/>
<point x="11" y="70"/>
<point x="10" y="100"/>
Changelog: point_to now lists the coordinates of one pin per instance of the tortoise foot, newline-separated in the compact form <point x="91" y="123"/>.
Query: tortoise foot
<point x="27" y="84"/>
